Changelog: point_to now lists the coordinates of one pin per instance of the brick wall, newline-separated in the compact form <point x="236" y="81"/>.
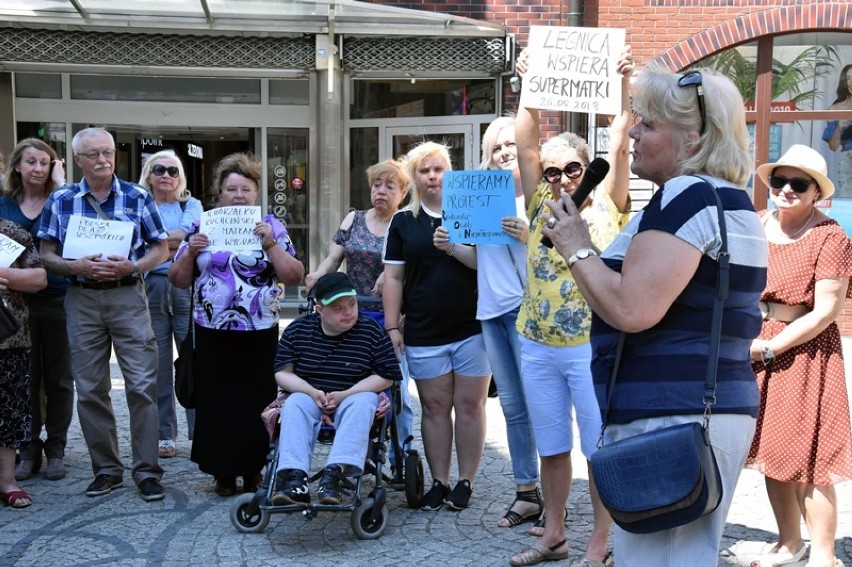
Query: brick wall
<point x="675" y="33"/>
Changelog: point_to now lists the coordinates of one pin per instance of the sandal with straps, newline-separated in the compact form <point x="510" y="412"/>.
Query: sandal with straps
<point x="538" y="527"/>
<point x="538" y="552"/>
<point x="533" y="496"/>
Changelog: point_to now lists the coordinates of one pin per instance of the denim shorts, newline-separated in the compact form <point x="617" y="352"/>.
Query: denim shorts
<point x="466" y="358"/>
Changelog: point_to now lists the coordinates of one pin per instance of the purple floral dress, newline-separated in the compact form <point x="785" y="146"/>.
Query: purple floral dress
<point x="238" y="292"/>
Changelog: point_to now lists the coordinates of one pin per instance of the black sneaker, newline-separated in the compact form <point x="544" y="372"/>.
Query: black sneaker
<point x="329" y="486"/>
<point x="291" y="487"/>
<point x="434" y="499"/>
<point x="151" y="490"/>
<point x="103" y="484"/>
<point x="459" y="497"/>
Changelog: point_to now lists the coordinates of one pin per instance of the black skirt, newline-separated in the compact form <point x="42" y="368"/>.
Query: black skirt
<point x="234" y="382"/>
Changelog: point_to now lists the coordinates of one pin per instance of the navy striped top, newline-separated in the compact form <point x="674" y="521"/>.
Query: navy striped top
<point x="662" y="368"/>
<point x="334" y="364"/>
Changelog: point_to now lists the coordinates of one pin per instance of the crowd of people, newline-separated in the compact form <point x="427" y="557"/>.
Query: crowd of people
<point x="614" y="291"/>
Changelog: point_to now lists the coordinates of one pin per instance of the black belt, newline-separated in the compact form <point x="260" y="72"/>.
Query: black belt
<point x="107" y="285"/>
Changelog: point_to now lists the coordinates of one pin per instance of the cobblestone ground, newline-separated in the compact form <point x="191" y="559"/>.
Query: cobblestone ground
<point x="191" y="525"/>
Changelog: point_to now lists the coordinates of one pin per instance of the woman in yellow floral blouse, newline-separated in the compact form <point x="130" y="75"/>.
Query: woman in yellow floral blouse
<point x="554" y="319"/>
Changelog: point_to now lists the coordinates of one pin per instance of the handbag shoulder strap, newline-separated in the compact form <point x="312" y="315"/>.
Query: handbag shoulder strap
<point x="723" y="273"/>
<point x="515" y="265"/>
<point x="94" y="202"/>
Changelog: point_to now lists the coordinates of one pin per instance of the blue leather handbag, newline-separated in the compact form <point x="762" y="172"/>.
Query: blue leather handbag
<point x="668" y="477"/>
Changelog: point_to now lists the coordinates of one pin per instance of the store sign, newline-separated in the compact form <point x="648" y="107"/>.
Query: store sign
<point x="195" y="151"/>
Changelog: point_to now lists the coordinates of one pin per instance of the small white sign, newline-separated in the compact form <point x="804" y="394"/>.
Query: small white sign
<point x="574" y="69"/>
<point x="231" y="228"/>
<point x="9" y="251"/>
<point x="86" y="236"/>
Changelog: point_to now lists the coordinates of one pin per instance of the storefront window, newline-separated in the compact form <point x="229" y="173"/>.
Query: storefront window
<point x="422" y="97"/>
<point x="165" y="89"/>
<point x="289" y="91"/>
<point x="38" y="85"/>
<point x="287" y="193"/>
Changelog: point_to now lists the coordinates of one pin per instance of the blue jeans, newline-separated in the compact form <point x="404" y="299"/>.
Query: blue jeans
<point x="169" y="307"/>
<point x="504" y="355"/>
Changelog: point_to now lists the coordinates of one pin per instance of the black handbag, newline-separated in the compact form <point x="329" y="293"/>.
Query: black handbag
<point x="668" y="477"/>
<point x="9" y="324"/>
<point x="184" y="371"/>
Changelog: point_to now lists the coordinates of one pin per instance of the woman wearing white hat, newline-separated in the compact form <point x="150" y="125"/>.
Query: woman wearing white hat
<point x="802" y="441"/>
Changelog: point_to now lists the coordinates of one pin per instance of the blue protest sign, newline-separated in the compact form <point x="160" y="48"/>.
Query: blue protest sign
<point x="473" y="203"/>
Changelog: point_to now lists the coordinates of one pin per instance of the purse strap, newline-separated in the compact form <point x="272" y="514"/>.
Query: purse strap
<point x="515" y="265"/>
<point x="723" y="273"/>
<point x="95" y="205"/>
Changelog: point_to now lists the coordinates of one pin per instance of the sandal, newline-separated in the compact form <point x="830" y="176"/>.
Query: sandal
<point x="533" y="496"/>
<point x="776" y="558"/>
<point x="607" y="561"/>
<point x="16" y="498"/>
<point x="538" y="553"/>
<point x="538" y="527"/>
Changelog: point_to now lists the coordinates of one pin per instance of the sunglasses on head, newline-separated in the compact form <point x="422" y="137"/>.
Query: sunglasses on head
<point x="573" y="170"/>
<point x="159" y="170"/>
<point x="796" y="184"/>
<point x="693" y="78"/>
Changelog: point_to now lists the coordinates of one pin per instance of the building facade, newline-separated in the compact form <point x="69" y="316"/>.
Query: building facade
<point x="319" y="90"/>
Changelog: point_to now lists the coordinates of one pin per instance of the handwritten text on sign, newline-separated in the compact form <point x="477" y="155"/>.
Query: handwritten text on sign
<point x="574" y="69"/>
<point x="231" y="228"/>
<point x="86" y="236"/>
<point x="9" y="251"/>
<point x="473" y="204"/>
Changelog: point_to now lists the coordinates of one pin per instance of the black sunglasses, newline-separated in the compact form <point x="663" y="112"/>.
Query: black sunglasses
<point x="796" y="184"/>
<point x="689" y="79"/>
<point x="573" y="170"/>
<point x="159" y="170"/>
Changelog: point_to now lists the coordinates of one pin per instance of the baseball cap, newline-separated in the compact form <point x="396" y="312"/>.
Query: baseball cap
<point x="333" y="286"/>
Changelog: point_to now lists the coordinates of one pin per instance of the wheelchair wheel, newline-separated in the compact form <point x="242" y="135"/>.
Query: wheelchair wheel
<point x="246" y="521"/>
<point x="362" y="523"/>
<point x="413" y="479"/>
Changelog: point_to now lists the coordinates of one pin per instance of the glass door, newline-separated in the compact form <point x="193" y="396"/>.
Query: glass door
<point x="459" y="138"/>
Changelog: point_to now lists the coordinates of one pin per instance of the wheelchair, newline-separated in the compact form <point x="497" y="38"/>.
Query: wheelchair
<point x="250" y="513"/>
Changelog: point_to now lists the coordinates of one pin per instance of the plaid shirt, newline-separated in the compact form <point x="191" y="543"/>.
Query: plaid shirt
<point x="126" y="202"/>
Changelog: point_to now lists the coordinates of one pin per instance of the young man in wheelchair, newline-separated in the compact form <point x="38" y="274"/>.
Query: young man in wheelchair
<point x="333" y="363"/>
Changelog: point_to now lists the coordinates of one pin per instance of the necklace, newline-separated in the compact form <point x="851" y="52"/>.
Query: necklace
<point x="801" y="229"/>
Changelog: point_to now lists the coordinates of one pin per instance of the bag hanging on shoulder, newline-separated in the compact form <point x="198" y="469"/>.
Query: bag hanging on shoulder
<point x="184" y="371"/>
<point x="9" y="324"/>
<point x="668" y="477"/>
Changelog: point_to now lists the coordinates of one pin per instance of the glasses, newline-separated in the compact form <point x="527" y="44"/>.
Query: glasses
<point x="796" y="184"/>
<point x="109" y="154"/>
<point x="693" y="78"/>
<point x="573" y="170"/>
<point x="159" y="170"/>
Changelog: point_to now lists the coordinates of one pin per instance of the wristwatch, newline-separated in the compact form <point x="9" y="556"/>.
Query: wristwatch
<point x="766" y="353"/>
<point x="135" y="268"/>
<point x="581" y="254"/>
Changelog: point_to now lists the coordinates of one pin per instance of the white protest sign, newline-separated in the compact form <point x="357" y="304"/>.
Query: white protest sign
<point x="574" y="69"/>
<point x="231" y="228"/>
<point x="9" y="251"/>
<point x="86" y="236"/>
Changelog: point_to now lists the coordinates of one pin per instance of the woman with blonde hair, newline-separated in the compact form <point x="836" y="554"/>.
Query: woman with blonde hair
<point x="434" y="282"/>
<point x="654" y="288"/>
<point x="164" y="177"/>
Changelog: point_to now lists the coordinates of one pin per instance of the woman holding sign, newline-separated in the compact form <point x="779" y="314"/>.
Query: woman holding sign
<point x="554" y="318"/>
<point x="501" y="274"/>
<point x="24" y="275"/>
<point x="434" y="282"/>
<point x="163" y="176"/>
<point x="236" y="331"/>
<point x="33" y="173"/>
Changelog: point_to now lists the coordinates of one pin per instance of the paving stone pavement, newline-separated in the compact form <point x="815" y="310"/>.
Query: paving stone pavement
<point x="191" y="525"/>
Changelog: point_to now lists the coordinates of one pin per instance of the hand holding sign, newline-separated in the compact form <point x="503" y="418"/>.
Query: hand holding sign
<point x="573" y="69"/>
<point x="86" y="236"/>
